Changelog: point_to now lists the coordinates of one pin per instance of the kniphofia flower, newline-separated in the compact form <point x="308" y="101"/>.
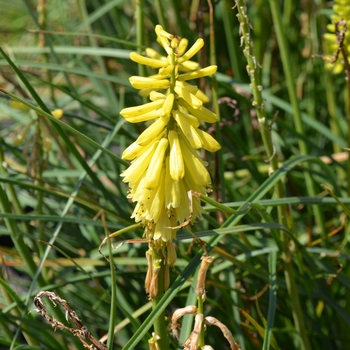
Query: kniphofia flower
<point x="165" y="165"/>
<point x="341" y="11"/>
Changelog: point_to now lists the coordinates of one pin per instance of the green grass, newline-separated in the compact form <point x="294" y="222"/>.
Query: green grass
<point x="281" y="274"/>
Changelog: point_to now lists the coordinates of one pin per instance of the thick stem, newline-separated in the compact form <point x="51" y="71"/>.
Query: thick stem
<point x="220" y="178"/>
<point x="288" y="71"/>
<point x="283" y="211"/>
<point x="200" y="310"/>
<point x="159" y="324"/>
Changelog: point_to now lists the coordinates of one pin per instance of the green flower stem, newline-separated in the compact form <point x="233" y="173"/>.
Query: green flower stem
<point x="283" y="212"/>
<point x="288" y="71"/>
<point x="200" y="310"/>
<point x="331" y="102"/>
<point x="159" y="324"/>
<point x="214" y="87"/>
<point x="347" y="103"/>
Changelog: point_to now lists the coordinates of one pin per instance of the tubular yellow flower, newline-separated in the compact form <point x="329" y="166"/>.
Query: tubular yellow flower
<point x="165" y="165"/>
<point x="186" y="95"/>
<point x="209" y="143"/>
<point x="201" y="113"/>
<point x="136" y="111"/>
<point x="154" y="63"/>
<point x="188" y="130"/>
<point x="167" y="106"/>
<point x="192" y="51"/>
<point x="148" y="83"/>
<point x="155" y="167"/>
<point x="176" y="168"/>
<point x="152" y="131"/>
<point x="198" y="73"/>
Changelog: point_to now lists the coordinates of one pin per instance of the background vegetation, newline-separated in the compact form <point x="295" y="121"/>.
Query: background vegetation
<point x="60" y="190"/>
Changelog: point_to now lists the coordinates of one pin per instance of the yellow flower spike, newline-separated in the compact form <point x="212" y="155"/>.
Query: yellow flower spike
<point x="167" y="106"/>
<point x="138" y="110"/>
<point x="57" y="113"/>
<point x="165" y="166"/>
<point x="209" y="143"/>
<point x="191" y="99"/>
<point x="156" y="164"/>
<point x="201" y="113"/>
<point x="176" y="166"/>
<point x="192" y="51"/>
<point x="151" y="62"/>
<point x="152" y="131"/>
<point x="148" y="83"/>
<point x="198" y="73"/>
<point x="188" y="130"/>
<point x="341" y="11"/>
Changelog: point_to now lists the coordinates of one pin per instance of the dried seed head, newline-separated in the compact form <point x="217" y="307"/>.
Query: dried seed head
<point x="188" y="310"/>
<point x="200" y="289"/>
<point x="191" y="342"/>
<point x="212" y="321"/>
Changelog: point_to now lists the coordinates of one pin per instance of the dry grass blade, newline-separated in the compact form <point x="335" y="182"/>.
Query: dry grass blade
<point x="80" y="331"/>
